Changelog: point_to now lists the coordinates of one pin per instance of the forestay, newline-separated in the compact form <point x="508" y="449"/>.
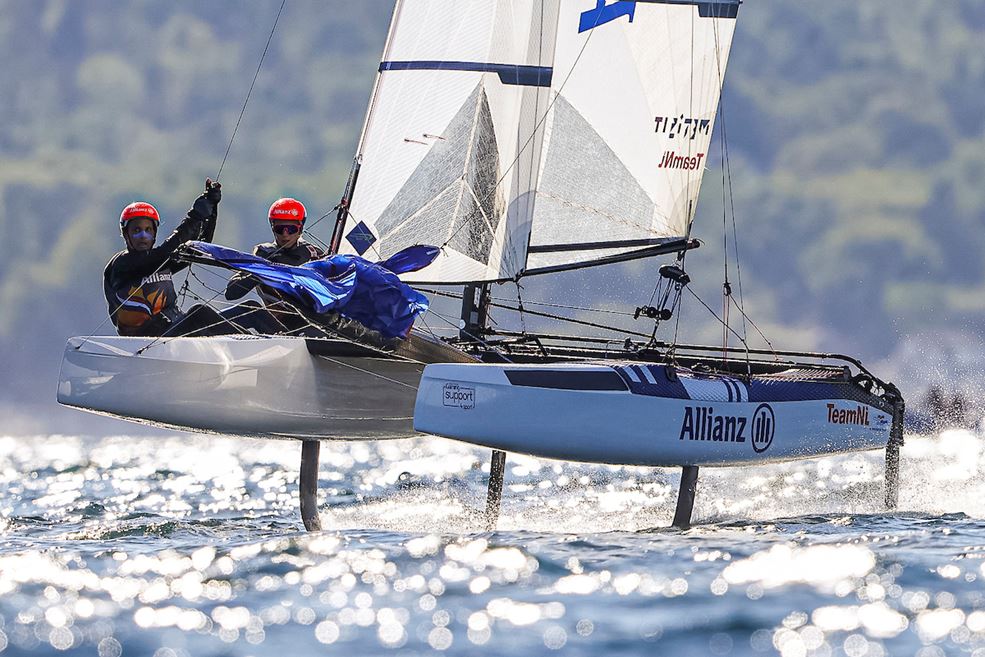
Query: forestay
<point x="522" y="134"/>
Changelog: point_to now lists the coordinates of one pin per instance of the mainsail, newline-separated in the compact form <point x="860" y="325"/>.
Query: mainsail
<point x="520" y="135"/>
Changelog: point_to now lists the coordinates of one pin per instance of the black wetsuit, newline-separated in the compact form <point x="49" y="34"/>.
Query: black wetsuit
<point x="279" y="317"/>
<point x="139" y="289"/>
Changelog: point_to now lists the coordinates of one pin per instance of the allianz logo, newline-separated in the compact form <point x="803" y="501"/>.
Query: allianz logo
<point x="160" y="277"/>
<point x="703" y="423"/>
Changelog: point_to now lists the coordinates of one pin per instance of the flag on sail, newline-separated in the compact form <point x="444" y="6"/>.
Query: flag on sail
<point x="527" y="134"/>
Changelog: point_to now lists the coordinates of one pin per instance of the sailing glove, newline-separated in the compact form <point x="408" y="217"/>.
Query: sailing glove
<point x="213" y="190"/>
<point x="203" y="208"/>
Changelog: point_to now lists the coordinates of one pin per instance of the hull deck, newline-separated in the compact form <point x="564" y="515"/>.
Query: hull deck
<point x="280" y="387"/>
<point x="631" y="413"/>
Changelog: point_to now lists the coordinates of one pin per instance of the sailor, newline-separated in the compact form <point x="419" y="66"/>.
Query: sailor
<point x="286" y="217"/>
<point x="138" y="283"/>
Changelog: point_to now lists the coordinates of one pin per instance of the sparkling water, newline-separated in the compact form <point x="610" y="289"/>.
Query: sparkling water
<point x="191" y="545"/>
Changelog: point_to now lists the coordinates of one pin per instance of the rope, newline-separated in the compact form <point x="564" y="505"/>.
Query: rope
<point x="519" y="304"/>
<point x="715" y="315"/>
<point x="761" y="334"/>
<point x="536" y="313"/>
<point x="559" y="305"/>
<point x="250" y="92"/>
<point x="477" y="338"/>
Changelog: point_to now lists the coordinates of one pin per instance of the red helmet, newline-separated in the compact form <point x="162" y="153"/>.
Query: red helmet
<point x="287" y="209"/>
<point x="139" y="210"/>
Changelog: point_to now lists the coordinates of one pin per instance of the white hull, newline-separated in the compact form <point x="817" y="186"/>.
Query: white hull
<point x="581" y="412"/>
<point x="242" y="386"/>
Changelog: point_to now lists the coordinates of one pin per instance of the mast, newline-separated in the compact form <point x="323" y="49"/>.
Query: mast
<point x="343" y="215"/>
<point x="350" y="185"/>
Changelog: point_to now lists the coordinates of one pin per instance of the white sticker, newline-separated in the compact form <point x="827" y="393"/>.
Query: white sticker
<point x="459" y="396"/>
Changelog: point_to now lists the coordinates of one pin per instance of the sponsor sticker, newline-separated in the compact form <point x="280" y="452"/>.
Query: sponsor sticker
<point x="159" y="277"/>
<point x="682" y="127"/>
<point x="763" y="428"/>
<point x="703" y="423"/>
<point x="453" y="394"/>
<point x="674" y="160"/>
<point x="857" y="415"/>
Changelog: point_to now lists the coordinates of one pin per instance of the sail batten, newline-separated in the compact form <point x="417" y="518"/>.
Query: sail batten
<point x="516" y="74"/>
<point x="523" y="135"/>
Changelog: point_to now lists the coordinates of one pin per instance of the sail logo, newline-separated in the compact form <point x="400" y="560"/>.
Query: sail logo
<point x="703" y="423"/>
<point x="605" y="13"/>
<point x="676" y="127"/>
<point x="858" y="415"/>
<point x="453" y="394"/>
<point x="673" y="160"/>
<point x="763" y="428"/>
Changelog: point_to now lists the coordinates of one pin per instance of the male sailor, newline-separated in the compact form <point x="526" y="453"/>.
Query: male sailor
<point x="138" y="280"/>
<point x="286" y="217"/>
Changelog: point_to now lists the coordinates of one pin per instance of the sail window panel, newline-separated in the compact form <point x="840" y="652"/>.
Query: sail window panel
<point x="430" y="181"/>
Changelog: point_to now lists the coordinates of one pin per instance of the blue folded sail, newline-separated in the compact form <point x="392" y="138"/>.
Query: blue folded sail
<point x="369" y="293"/>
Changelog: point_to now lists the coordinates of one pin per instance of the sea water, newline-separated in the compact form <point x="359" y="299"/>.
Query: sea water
<point x="191" y="545"/>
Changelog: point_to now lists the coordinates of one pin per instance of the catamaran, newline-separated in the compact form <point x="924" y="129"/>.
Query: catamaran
<point x="524" y="138"/>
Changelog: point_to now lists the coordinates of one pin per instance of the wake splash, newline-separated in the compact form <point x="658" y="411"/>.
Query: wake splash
<point x="939" y="475"/>
<point x="430" y="485"/>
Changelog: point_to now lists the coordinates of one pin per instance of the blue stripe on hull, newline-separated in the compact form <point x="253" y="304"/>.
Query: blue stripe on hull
<point x="639" y="384"/>
<point x="668" y="384"/>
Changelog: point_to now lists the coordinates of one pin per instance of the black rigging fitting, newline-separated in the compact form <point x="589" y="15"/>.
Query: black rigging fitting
<point x="673" y="279"/>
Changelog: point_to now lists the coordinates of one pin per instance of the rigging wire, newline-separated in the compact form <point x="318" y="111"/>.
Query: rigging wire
<point x="715" y="315"/>
<point x="758" y="330"/>
<point x="477" y="338"/>
<point x="566" y="307"/>
<point x="519" y="303"/>
<point x="537" y="313"/>
<point x="250" y="92"/>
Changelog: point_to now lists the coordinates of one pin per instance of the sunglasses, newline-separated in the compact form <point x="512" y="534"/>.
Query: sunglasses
<point x="143" y="234"/>
<point x="285" y="229"/>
